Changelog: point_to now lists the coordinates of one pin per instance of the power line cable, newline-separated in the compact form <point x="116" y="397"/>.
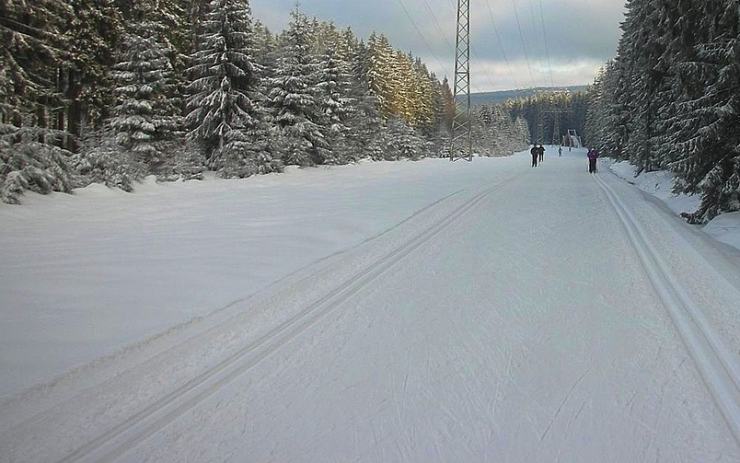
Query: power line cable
<point x="501" y="46"/>
<point x="421" y="35"/>
<point x="534" y="17"/>
<point x="524" y="44"/>
<point x="547" y="47"/>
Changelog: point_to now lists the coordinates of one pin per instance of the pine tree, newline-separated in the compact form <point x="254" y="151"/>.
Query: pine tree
<point x="380" y="73"/>
<point x="365" y="122"/>
<point x="94" y="28"/>
<point x="643" y="45"/>
<point x="367" y="132"/>
<point x="292" y="100"/>
<point x="225" y="116"/>
<point x="146" y="114"/>
<point x="335" y="103"/>
<point x="447" y="108"/>
<point x="424" y="116"/>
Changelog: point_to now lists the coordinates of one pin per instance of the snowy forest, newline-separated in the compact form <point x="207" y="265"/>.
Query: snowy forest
<point x="671" y="98"/>
<point x="550" y="114"/>
<point x="110" y="91"/>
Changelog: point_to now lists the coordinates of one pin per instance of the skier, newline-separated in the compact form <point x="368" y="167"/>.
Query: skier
<point x="593" y="155"/>
<point x="560" y="151"/>
<point x="542" y="153"/>
<point x="535" y="155"/>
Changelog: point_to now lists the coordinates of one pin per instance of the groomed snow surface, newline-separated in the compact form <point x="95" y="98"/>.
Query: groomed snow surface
<point x="383" y="312"/>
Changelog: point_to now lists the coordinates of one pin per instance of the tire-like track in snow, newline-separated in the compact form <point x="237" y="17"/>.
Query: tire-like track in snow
<point x="126" y="435"/>
<point x="714" y="360"/>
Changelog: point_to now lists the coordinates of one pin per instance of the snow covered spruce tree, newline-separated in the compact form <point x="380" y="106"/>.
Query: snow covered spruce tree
<point x="380" y="72"/>
<point x="225" y="116"/>
<point x="292" y="98"/>
<point x="366" y="128"/>
<point x="146" y="113"/>
<point x="335" y="103"/>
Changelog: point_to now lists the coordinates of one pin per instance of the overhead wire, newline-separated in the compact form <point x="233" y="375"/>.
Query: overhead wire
<point x="547" y="46"/>
<point x="422" y="36"/>
<point x="501" y="46"/>
<point x="534" y="17"/>
<point x="524" y="44"/>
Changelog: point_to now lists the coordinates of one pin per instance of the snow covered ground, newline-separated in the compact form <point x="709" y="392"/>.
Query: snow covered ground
<point x="84" y="276"/>
<point x="725" y="228"/>
<point x="477" y="312"/>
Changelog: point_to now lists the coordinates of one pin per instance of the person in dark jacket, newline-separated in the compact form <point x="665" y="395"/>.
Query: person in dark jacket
<point x="542" y="153"/>
<point x="535" y="155"/>
<point x="593" y="155"/>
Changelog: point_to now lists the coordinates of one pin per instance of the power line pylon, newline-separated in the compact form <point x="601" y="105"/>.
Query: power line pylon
<point x="540" y="127"/>
<point x="461" y="144"/>
<point x="557" y="138"/>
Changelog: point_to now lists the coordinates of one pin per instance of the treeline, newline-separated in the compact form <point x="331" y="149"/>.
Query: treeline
<point x="671" y="98"/>
<point x="497" y="133"/>
<point x="110" y="91"/>
<point x="550" y="114"/>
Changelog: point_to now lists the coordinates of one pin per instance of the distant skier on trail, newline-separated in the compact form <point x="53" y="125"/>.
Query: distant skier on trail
<point x="560" y="151"/>
<point x="542" y="153"/>
<point x="593" y="156"/>
<point x="535" y="155"/>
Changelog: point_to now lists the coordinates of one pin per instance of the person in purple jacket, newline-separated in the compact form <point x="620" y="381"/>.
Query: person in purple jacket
<point x="593" y="155"/>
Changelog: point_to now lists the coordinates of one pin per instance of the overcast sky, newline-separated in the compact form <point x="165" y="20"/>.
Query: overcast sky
<point x="581" y="34"/>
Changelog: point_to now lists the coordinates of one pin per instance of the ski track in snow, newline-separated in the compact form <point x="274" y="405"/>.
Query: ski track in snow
<point x="717" y="363"/>
<point x="128" y="434"/>
<point x="509" y="322"/>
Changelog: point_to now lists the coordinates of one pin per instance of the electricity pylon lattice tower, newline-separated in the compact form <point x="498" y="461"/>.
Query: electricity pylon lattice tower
<point x="557" y="138"/>
<point x="540" y="127"/>
<point x="461" y="144"/>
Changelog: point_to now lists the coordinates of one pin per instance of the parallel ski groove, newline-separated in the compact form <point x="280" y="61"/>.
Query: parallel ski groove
<point x="126" y="435"/>
<point x="716" y="364"/>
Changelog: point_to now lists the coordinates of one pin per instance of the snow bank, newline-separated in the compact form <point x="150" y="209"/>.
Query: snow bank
<point x="725" y="228"/>
<point x="84" y="276"/>
<point x="658" y="184"/>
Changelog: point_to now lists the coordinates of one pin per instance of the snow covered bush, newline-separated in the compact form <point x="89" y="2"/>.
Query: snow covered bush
<point x="31" y="165"/>
<point x="188" y="161"/>
<point x="403" y="142"/>
<point x="246" y="154"/>
<point x="103" y="160"/>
